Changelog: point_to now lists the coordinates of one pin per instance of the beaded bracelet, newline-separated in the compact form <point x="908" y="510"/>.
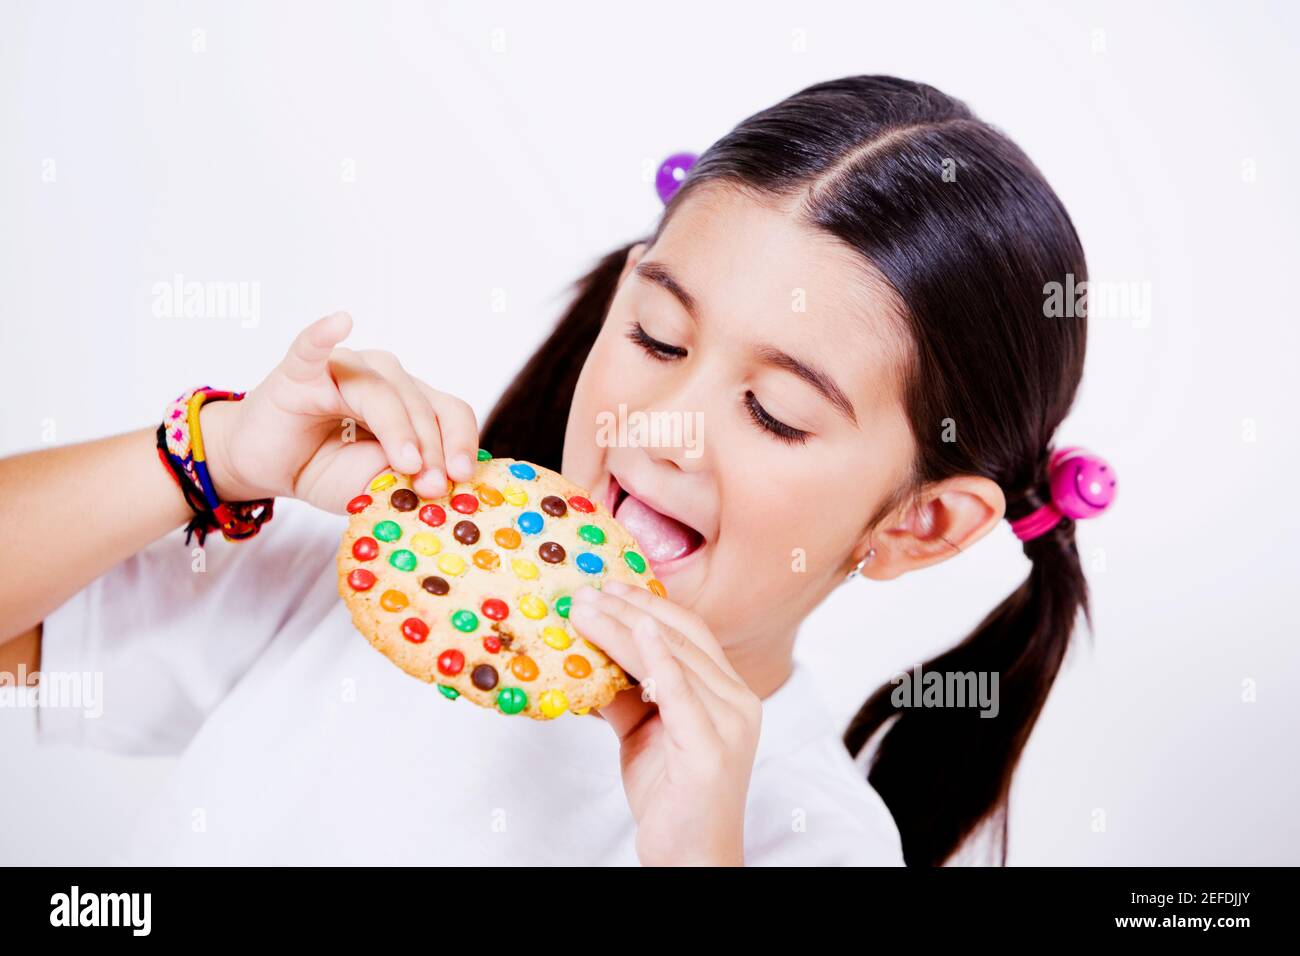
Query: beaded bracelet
<point x="180" y="447"/>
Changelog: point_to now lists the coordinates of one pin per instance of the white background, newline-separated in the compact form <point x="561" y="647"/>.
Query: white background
<point x="505" y="146"/>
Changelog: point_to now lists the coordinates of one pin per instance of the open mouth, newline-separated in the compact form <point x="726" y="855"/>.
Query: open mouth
<point x="664" y="539"/>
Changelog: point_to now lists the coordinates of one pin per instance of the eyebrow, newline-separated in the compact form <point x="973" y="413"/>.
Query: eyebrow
<point x="659" y="274"/>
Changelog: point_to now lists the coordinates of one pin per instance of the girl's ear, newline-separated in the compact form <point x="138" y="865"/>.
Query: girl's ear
<point x="947" y="518"/>
<point x="634" y="255"/>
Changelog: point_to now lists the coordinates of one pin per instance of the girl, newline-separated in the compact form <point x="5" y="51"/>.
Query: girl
<point x="847" y="292"/>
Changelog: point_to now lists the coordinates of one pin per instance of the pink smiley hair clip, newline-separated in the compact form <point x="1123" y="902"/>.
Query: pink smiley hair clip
<point x="1083" y="486"/>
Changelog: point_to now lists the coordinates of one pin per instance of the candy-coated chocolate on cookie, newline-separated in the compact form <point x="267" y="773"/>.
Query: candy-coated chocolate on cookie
<point x="471" y="591"/>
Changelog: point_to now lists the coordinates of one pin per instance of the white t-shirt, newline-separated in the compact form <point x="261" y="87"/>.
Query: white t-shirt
<point x="300" y="744"/>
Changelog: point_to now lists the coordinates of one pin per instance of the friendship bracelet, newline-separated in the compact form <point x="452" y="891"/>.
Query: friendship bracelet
<point x="180" y="447"/>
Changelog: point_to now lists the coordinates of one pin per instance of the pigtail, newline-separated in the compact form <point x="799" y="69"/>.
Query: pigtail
<point x="529" y="419"/>
<point x="945" y="772"/>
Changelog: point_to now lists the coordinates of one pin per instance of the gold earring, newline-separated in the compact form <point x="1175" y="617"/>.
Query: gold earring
<point x="857" y="568"/>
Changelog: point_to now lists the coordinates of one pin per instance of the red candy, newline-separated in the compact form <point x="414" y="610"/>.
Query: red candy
<point x="365" y="549"/>
<point x="579" y="503"/>
<point x="360" y="503"/>
<point x="451" y="662"/>
<point x="415" y="630"/>
<point x="433" y="515"/>
<point x="361" y="580"/>
<point x="491" y="643"/>
<point x="465" y="504"/>
<point x="495" y="609"/>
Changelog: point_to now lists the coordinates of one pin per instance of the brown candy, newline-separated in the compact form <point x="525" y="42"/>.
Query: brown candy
<point x="484" y="677"/>
<point x="555" y="507"/>
<point x="435" y="585"/>
<point x="551" y="552"/>
<point x="466" y="532"/>
<point x="404" y="499"/>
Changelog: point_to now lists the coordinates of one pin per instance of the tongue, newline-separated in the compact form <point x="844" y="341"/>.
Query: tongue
<point x="661" y="537"/>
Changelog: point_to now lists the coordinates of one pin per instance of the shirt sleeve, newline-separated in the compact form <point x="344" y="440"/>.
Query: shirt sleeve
<point x="136" y="661"/>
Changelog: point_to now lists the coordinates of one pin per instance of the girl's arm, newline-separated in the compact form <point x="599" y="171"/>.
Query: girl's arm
<point x="70" y="514"/>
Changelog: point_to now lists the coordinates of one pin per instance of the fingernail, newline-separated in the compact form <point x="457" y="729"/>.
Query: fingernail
<point x="411" y="460"/>
<point x="433" y="483"/>
<point x="615" y="587"/>
<point x="461" y="467"/>
<point x="584" y="595"/>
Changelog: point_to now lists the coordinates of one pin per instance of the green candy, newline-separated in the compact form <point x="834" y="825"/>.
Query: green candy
<point x="402" y="559"/>
<point x="388" y="531"/>
<point x="634" y="561"/>
<point x="484" y="455"/>
<point x="450" y="693"/>
<point x="464" y="621"/>
<point x="591" y="534"/>
<point x="562" y="605"/>
<point x="512" y="700"/>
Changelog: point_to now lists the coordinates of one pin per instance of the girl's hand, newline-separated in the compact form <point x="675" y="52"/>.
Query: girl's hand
<point x="689" y="732"/>
<point x="290" y="436"/>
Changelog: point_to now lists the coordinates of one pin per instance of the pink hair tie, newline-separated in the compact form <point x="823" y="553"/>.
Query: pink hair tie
<point x="1083" y="486"/>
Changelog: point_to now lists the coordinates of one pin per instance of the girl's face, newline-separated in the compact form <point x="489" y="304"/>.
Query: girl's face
<point x="740" y="411"/>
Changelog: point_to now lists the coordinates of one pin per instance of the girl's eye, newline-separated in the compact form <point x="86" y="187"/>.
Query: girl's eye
<point x="661" y="351"/>
<point x="791" y="436"/>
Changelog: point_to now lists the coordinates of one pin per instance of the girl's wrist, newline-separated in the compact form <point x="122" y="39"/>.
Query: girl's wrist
<point x="216" y="419"/>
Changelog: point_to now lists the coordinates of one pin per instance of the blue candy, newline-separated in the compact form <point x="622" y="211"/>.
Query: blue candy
<point x="523" y="471"/>
<point x="530" y="522"/>
<point x="590" y="563"/>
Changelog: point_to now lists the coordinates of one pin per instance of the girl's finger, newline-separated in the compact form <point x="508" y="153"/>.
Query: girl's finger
<point x="309" y="354"/>
<point x="676" y="617"/>
<point x="608" y="634"/>
<point x="431" y="482"/>
<point x="723" y="682"/>
<point x="611" y="628"/>
<point x="459" y="431"/>
<point x="373" y="400"/>
<point x="669" y="686"/>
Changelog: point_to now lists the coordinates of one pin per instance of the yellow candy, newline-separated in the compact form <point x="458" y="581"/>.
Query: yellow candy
<point x="383" y="482"/>
<point x="425" y="543"/>
<point x="556" y="637"/>
<point x="516" y="496"/>
<point x="583" y="712"/>
<point x="524" y="568"/>
<point x="532" y="607"/>
<point x="553" y="703"/>
<point x="451" y="564"/>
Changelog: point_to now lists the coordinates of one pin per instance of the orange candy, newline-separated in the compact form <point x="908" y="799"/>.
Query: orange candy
<point x="524" y="667"/>
<point x="489" y="495"/>
<point x="656" y="588"/>
<point x="508" y="538"/>
<point x="393" y="601"/>
<point x="577" y="666"/>
<point x="485" y="559"/>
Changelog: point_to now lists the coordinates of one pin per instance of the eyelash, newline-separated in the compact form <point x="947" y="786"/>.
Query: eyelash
<point x="663" y="352"/>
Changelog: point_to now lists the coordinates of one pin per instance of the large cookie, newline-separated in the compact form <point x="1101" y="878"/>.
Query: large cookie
<point x="471" y="590"/>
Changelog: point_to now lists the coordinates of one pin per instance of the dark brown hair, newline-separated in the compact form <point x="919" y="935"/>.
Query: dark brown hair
<point x="968" y="234"/>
